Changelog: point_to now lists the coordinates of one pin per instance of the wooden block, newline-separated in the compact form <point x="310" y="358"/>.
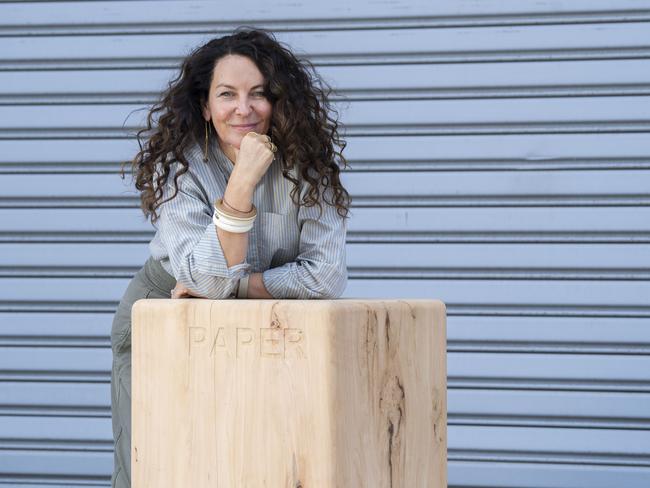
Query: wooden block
<point x="289" y="393"/>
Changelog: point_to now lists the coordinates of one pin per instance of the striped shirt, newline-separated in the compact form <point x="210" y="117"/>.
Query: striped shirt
<point x="299" y="254"/>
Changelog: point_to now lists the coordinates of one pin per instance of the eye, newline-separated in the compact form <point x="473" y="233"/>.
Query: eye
<point x="259" y="94"/>
<point x="227" y="93"/>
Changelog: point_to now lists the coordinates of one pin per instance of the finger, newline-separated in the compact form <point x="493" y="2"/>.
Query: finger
<point x="177" y="292"/>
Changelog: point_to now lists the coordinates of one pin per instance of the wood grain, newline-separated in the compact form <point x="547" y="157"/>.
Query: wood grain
<point x="289" y="393"/>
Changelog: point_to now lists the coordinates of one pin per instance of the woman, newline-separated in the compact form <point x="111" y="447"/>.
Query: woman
<point x="240" y="177"/>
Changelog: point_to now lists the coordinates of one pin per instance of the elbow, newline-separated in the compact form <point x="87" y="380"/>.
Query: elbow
<point x="338" y="286"/>
<point x="207" y="286"/>
<point x="332" y="284"/>
<point x="206" y="280"/>
<point x="222" y="290"/>
<point x="215" y="289"/>
<point x="307" y="280"/>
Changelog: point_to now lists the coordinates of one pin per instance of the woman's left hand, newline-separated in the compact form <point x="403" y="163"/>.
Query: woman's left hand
<point x="256" y="289"/>
<point x="180" y="291"/>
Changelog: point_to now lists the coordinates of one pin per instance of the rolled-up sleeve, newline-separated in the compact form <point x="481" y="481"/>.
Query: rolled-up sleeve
<point x="186" y="230"/>
<point x="320" y="269"/>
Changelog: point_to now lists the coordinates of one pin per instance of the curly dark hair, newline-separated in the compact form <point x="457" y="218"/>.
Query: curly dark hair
<point x="302" y="125"/>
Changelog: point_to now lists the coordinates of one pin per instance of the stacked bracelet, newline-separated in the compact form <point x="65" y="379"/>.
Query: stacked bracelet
<point x="242" y="289"/>
<point x="233" y="221"/>
<point x="230" y="210"/>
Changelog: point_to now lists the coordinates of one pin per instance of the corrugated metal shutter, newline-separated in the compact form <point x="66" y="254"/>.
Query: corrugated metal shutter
<point x="500" y="161"/>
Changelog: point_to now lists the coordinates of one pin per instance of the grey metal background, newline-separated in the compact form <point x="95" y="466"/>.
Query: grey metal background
<point x="500" y="161"/>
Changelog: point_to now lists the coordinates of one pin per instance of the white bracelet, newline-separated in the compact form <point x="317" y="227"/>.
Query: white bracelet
<point x="229" y="224"/>
<point x="242" y="291"/>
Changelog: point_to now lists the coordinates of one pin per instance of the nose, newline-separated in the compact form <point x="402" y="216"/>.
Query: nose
<point x="244" y="106"/>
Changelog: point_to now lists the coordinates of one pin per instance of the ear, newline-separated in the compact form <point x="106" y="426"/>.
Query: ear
<point x="205" y="108"/>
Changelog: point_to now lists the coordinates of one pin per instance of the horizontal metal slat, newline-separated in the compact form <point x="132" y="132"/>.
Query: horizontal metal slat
<point x="570" y="335"/>
<point x="427" y="188"/>
<point x="433" y="153"/>
<point x="595" y="446"/>
<point x="22" y="398"/>
<point x="462" y="474"/>
<point x="483" y="256"/>
<point x="601" y="446"/>
<point x="464" y="296"/>
<point x="545" y="296"/>
<point x="538" y="297"/>
<point x="464" y="78"/>
<point x="584" y="114"/>
<point x="358" y="46"/>
<point x="546" y="371"/>
<point x="93" y="362"/>
<point x="16" y="430"/>
<point x="50" y="326"/>
<point x="139" y="13"/>
<point x="480" y="474"/>
<point x="567" y="335"/>
<point x="487" y="221"/>
<point x="440" y="154"/>
<point x="465" y="406"/>
<point x="573" y="335"/>
<point x="579" y="409"/>
<point x="443" y="256"/>
<point x="532" y="78"/>
<point x="495" y="112"/>
<point x="49" y="465"/>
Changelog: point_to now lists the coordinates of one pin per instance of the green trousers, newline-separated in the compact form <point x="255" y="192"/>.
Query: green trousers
<point x="151" y="281"/>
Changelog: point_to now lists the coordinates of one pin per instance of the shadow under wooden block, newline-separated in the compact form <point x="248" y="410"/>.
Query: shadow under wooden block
<point x="289" y="393"/>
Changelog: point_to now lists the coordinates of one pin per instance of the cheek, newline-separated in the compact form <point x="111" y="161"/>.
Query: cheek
<point x="221" y="109"/>
<point x="219" y="120"/>
<point x="221" y="113"/>
<point x="265" y="110"/>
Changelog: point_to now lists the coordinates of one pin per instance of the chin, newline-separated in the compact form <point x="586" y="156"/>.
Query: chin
<point x="232" y="140"/>
<point x="235" y="141"/>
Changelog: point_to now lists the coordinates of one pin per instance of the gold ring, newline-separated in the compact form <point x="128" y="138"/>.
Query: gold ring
<point x="273" y="148"/>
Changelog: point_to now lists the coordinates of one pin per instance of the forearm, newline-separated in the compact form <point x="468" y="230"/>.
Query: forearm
<point x="235" y="245"/>
<point x="256" y="288"/>
<point x="307" y="279"/>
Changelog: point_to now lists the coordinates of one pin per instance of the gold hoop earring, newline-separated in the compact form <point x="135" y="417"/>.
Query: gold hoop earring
<point x="205" y="152"/>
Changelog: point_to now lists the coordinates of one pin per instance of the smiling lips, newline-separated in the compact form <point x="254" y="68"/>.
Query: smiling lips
<point x="244" y="127"/>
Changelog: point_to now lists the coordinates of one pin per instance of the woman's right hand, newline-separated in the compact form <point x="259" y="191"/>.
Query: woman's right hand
<point x="253" y="159"/>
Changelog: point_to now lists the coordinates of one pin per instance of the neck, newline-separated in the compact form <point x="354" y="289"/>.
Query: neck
<point x="228" y="150"/>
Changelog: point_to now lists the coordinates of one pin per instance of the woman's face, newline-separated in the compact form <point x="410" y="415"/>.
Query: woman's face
<point x="236" y="102"/>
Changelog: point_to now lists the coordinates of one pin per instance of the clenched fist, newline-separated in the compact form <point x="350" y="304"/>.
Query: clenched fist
<point x="253" y="158"/>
